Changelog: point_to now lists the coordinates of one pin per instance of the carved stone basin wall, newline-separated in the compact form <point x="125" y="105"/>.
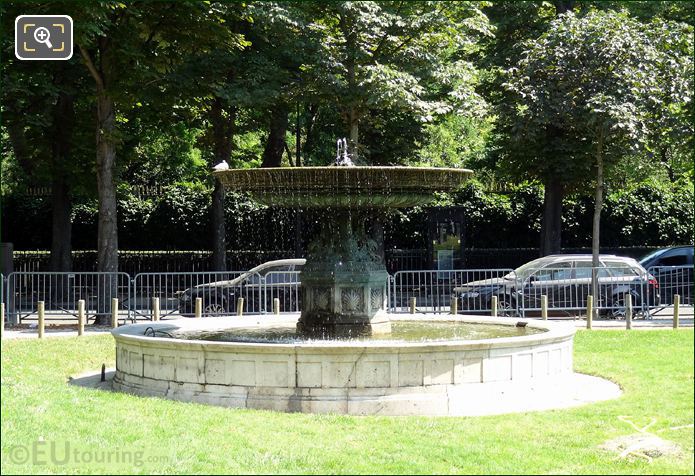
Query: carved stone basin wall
<point x="456" y="377"/>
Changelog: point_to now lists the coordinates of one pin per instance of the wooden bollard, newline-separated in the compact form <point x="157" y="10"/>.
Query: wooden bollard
<point x="676" y="310"/>
<point x="544" y="307"/>
<point x="114" y="312"/>
<point x="413" y="303"/>
<point x="240" y="307"/>
<point x="589" y="310"/>
<point x="80" y="317"/>
<point x="42" y="318"/>
<point x="276" y="306"/>
<point x="628" y="311"/>
<point x="2" y="317"/>
<point x="199" y="307"/>
<point x="493" y="306"/>
<point x="454" y="305"/>
<point x="155" y="309"/>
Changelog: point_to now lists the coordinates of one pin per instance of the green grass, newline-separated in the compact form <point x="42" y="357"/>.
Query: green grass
<point x="655" y="369"/>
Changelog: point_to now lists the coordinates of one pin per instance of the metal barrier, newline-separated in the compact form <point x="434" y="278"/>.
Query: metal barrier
<point x="61" y="292"/>
<point x="567" y="289"/>
<point x="177" y="293"/>
<point x="285" y="286"/>
<point x="433" y="290"/>
<point x="518" y="295"/>
<point x="674" y="280"/>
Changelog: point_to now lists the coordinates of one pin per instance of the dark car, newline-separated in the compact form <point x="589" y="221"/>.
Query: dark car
<point x="566" y="281"/>
<point x="259" y="287"/>
<point x="673" y="269"/>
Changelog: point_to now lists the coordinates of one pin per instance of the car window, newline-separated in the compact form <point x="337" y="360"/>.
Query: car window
<point x="583" y="270"/>
<point x="675" y="260"/>
<point x="651" y="256"/>
<point x="621" y="268"/>
<point x="553" y="272"/>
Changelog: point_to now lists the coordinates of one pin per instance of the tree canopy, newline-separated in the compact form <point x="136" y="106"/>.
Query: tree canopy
<point x="530" y="94"/>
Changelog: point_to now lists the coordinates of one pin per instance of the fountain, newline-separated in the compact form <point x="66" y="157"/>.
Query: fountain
<point x="340" y="355"/>
<point x="344" y="280"/>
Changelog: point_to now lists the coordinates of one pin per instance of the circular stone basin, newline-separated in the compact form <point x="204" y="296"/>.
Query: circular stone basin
<point x="359" y="377"/>
<point x="343" y="187"/>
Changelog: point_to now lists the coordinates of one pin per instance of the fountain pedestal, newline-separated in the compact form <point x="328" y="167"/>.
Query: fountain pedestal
<point x="344" y="281"/>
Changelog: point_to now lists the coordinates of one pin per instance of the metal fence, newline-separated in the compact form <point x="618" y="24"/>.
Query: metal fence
<point x="566" y="289"/>
<point x="177" y="293"/>
<point x="61" y="292"/>
<point x="433" y="290"/>
<point x="674" y="280"/>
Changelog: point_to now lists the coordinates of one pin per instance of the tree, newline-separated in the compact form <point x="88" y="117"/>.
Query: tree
<point x="42" y="109"/>
<point x="390" y="56"/>
<point x="598" y="79"/>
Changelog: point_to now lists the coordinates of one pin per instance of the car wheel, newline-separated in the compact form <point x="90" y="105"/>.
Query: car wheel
<point x="214" y="309"/>
<point x="506" y="307"/>
<point x="617" y="310"/>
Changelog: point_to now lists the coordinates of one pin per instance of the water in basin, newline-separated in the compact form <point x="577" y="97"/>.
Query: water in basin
<point x="401" y="331"/>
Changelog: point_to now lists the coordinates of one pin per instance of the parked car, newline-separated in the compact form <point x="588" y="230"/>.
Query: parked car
<point x="258" y="286"/>
<point x="566" y="281"/>
<point x="673" y="269"/>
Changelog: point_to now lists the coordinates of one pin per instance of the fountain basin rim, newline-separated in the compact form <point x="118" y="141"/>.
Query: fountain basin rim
<point x="133" y="333"/>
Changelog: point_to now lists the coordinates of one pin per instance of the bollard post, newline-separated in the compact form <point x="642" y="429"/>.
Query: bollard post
<point x="454" y="305"/>
<point x="155" y="309"/>
<point x="42" y="318"/>
<point x="199" y="307"/>
<point x="240" y="307"/>
<point x="276" y="306"/>
<point x="589" y="310"/>
<point x="114" y="312"/>
<point x="493" y="305"/>
<point x="628" y="311"/>
<point x="80" y="317"/>
<point x="676" y="310"/>
<point x="544" y="307"/>
<point x="2" y="317"/>
<point x="413" y="302"/>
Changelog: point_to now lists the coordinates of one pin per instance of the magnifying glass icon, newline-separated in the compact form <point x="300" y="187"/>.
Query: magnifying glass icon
<point x="42" y="35"/>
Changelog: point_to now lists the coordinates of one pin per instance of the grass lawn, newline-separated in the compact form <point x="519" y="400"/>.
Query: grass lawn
<point x="41" y="413"/>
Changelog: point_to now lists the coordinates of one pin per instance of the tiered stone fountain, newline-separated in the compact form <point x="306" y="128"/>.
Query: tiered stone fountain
<point x="344" y="279"/>
<point x="339" y="355"/>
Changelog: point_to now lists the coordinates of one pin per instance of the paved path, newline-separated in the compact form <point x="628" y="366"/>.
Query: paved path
<point x="658" y="322"/>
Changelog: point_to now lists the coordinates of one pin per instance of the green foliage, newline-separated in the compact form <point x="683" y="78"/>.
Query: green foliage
<point x="418" y="78"/>
<point x="594" y="86"/>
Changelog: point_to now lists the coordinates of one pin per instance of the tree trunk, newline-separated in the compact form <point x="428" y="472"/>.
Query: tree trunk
<point x="107" y="236"/>
<point x="353" y="119"/>
<point x="222" y="130"/>
<point x="311" y="115"/>
<point x="219" y="234"/>
<point x="298" y="137"/>
<point x="275" y="146"/>
<point x="551" y="226"/>
<point x="562" y="6"/>
<point x="61" y="236"/>
<point x="598" y="205"/>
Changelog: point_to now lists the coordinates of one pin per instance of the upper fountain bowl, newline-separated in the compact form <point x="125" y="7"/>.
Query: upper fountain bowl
<point x="343" y="187"/>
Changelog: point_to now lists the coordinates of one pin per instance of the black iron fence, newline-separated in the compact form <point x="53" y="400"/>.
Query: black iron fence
<point x="146" y="261"/>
